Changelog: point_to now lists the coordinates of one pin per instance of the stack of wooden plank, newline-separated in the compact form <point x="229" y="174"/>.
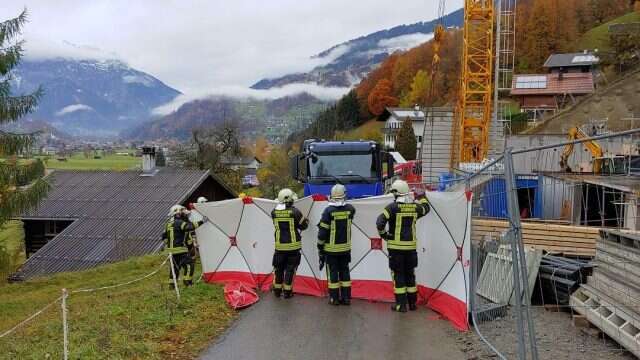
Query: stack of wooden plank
<point x="552" y="237"/>
<point x="611" y="298"/>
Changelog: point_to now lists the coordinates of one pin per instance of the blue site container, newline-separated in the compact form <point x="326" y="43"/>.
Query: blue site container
<point x="493" y="198"/>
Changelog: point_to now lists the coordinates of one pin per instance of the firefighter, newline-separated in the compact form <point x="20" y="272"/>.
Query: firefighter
<point x="178" y="241"/>
<point x="334" y="245"/>
<point x="192" y="241"/>
<point x="401" y="217"/>
<point x="288" y="221"/>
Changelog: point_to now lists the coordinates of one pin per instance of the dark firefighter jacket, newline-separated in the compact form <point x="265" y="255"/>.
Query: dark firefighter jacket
<point x="402" y="220"/>
<point x="176" y="235"/>
<point x="334" y="229"/>
<point x="288" y="223"/>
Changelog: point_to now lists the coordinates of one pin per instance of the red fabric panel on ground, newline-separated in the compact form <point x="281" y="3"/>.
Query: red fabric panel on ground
<point x="448" y="306"/>
<point x="306" y="285"/>
<point x="239" y="295"/>
<point x="373" y="290"/>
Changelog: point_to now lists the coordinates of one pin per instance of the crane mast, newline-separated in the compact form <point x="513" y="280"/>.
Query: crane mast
<point x="474" y="108"/>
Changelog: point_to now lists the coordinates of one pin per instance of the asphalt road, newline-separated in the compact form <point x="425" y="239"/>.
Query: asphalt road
<point x="308" y="328"/>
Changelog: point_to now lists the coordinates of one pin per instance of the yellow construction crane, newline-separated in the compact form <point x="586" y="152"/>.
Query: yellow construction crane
<point x="473" y="111"/>
<point x="595" y="149"/>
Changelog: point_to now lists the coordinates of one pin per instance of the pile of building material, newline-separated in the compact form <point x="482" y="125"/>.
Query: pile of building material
<point x="551" y="237"/>
<point x="496" y="278"/>
<point x="611" y="298"/>
<point x="559" y="277"/>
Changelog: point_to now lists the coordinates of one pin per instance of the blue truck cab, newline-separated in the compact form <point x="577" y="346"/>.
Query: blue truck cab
<point x="358" y="165"/>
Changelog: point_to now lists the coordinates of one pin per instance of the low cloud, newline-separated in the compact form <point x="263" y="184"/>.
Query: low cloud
<point x="42" y="49"/>
<point x="405" y="42"/>
<point x="73" y="108"/>
<point x="320" y="92"/>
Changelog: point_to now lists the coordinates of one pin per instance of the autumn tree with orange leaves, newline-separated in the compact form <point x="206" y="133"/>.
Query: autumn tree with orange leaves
<point x="381" y="97"/>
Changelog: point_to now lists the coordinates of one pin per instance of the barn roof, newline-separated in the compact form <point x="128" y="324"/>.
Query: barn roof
<point x="115" y="214"/>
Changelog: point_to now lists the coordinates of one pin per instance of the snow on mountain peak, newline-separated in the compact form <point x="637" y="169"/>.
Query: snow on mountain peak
<point x="73" y="108"/>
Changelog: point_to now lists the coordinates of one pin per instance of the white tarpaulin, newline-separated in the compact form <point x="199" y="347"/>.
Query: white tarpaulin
<point x="237" y="243"/>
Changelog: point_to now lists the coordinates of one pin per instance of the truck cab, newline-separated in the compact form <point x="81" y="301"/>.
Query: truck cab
<point x="359" y="165"/>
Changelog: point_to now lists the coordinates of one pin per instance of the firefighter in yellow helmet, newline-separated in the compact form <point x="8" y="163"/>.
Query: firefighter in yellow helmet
<point x="288" y="221"/>
<point x="334" y="245"/>
<point x="177" y="242"/>
<point x="401" y="217"/>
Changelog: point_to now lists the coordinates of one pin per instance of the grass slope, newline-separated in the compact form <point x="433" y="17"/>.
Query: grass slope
<point x="370" y="130"/>
<point x="598" y="37"/>
<point x="108" y="162"/>
<point x="138" y="321"/>
<point x="11" y="248"/>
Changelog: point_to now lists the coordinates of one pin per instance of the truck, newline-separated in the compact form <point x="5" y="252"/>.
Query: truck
<point x="362" y="167"/>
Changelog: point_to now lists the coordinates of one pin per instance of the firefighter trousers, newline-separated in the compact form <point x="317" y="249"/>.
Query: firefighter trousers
<point x="285" y="264"/>
<point x="338" y="277"/>
<point x="185" y="263"/>
<point x="402" y="264"/>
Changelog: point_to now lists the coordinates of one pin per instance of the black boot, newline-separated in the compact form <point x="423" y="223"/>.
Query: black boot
<point x="345" y="295"/>
<point x="277" y="292"/>
<point x="287" y="294"/>
<point x="401" y="303"/>
<point x="412" y="299"/>
<point x="334" y="296"/>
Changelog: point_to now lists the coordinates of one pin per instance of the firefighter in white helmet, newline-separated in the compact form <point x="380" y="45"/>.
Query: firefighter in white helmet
<point x="177" y="242"/>
<point x="334" y="245"/>
<point x="192" y="243"/>
<point x="288" y="221"/>
<point x="401" y="216"/>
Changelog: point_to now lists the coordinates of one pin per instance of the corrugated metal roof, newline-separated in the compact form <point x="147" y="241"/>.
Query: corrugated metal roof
<point x="571" y="59"/>
<point x="117" y="214"/>
<point x="624" y="183"/>
<point x="571" y="83"/>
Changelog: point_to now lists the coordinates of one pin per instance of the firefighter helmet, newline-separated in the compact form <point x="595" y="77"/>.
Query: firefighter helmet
<point x="286" y="196"/>
<point x="338" y="192"/>
<point x="400" y="188"/>
<point x="175" y="210"/>
<point x="202" y="199"/>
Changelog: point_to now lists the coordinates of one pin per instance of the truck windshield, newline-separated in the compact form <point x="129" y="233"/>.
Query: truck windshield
<point x="349" y="167"/>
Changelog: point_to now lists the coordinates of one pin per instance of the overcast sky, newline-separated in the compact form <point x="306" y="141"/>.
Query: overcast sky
<point x="199" y="47"/>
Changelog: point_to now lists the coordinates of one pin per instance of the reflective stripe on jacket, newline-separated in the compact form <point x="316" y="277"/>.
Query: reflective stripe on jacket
<point x="288" y="223"/>
<point x="334" y="229"/>
<point x="401" y="219"/>
<point x="176" y="235"/>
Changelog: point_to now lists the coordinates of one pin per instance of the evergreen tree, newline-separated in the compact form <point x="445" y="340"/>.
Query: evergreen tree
<point x="348" y="111"/>
<point x="406" y="142"/>
<point x="21" y="182"/>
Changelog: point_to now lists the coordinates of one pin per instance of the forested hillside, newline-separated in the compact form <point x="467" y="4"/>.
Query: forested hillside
<point x="543" y="27"/>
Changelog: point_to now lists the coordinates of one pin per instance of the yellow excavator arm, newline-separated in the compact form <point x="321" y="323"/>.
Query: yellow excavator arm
<point x="595" y="149"/>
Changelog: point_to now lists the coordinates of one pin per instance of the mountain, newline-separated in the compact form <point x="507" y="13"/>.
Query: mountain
<point x="90" y="97"/>
<point x="349" y="62"/>
<point x="273" y="119"/>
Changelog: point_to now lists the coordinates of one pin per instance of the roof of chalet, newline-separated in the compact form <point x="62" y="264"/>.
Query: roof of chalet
<point x="115" y="214"/>
<point x="571" y="59"/>
<point x="402" y="113"/>
<point x="553" y="84"/>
